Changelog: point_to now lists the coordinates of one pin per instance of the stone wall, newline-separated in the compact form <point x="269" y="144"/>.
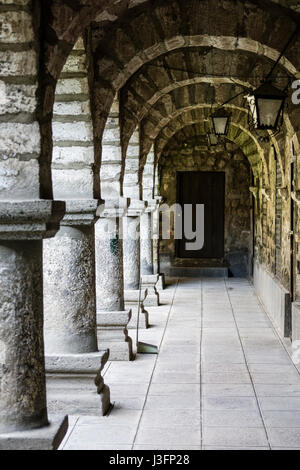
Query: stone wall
<point x="20" y="142"/>
<point x="73" y="141"/>
<point x="193" y="155"/>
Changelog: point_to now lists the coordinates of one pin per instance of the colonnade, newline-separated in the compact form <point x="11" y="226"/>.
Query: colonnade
<point x="69" y="266"/>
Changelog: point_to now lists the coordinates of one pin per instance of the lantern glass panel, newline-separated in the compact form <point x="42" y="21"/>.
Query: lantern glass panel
<point x="220" y="124"/>
<point x="268" y="112"/>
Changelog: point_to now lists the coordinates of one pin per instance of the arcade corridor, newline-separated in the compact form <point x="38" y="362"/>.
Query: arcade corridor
<point x="144" y="140"/>
<point x="222" y="379"/>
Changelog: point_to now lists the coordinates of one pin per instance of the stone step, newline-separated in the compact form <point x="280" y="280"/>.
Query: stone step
<point x="196" y="271"/>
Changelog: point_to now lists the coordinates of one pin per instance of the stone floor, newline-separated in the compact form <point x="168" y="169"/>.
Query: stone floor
<point x="222" y="379"/>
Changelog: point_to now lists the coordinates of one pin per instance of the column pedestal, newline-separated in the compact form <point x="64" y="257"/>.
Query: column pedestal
<point x="112" y="319"/>
<point x="132" y="302"/>
<point x="70" y="303"/>
<point x="23" y="407"/>
<point x="161" y="283"/>
<point x="149" y="282"/>
<point x="71" y="380"/>
<point x="113" y="334"/>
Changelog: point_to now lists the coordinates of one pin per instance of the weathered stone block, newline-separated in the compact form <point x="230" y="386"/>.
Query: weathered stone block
<point x="18" y="63"/>
<point x="70" y="184"/>
<point x="72" y="86"/>
<point x="111" y="153"/>
<point x="73" y="108"/>
<point x="71" y="156"/>
<point x="19" y="139"/>
<point x="19" y="179"/>
<point x="16" y="27"/>
<point x="72" y="132"/>
<point x="112" y="135"/>
<point x="17" y="98"/>
<point x="75" y="63"/>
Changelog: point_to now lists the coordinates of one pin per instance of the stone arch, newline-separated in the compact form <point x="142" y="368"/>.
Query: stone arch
<point x="148" y="176"/>
<point x="111" y="169"/>
<point x="129" y="50"/>
<point x="199" y="113"/>
<point x="131" y="182"/>
<point x="134" y="34"/>
<point x="175" y="70"/>
<point x="73" y="162"/>
<point x="20" y="143"/>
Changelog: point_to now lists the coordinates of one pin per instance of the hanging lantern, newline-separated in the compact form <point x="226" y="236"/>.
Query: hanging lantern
<point x="220" y="122"/>
<point x="269" y="105"/>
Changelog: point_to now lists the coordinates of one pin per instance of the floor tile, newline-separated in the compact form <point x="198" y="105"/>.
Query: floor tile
<point x="162" y="418"/>
<point x="284" y="437"/>
<point x="233" y="418"/>
<point x="229" y="403"/>
<point x="163" y="402"/>
<point x="234" y="436"/>
<point x="177" y="435"/>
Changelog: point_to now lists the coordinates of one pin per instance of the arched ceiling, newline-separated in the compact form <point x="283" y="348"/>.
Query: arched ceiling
<point x="123" y="35"/>
<point x="200" y="114"/>
<point x="188" y="137"/>
<point x="182" y="67"/>
<point x="151" y="30"/>
<point x="191" y="97"/>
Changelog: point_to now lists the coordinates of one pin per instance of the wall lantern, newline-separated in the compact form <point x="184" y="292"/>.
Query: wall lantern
<point x="269" y="105"/>
<point x="220" y="121"/>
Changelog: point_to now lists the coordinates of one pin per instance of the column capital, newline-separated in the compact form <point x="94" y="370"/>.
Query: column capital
<point x="80" y="212"/>
<point x="30" y="220"/>
<point x="136" y="208"/>
<point x="152" y="205"/>
<point x="112" y="208"/>
<point x="254" y="190"/>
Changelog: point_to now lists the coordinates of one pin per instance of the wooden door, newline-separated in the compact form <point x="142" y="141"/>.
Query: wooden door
<point x="206" y="188"/>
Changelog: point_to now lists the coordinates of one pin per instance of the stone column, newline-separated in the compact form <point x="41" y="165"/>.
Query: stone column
<point x="23" y="407"/>
<point x="149" y="279"/>
<point x="131" y="258"/>
<point x="112" y="318"/>
<point x="155" y="245"/>
<point x="70" y="300"/>
<point x="146" y="243"/>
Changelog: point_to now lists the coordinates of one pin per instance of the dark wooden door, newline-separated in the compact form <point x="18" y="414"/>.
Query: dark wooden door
<point x="206" y="188"/>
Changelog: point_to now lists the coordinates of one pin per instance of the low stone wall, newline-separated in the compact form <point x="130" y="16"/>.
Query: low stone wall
<point x="295" y="321"/>
<point x="275" y="298"/>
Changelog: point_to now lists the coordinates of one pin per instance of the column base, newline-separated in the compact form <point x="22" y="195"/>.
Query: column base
<point x="131" y="298"/>
<point x="45" y="438"/>
<point x="149" y="282"/>
<point x="161" y="283"/>
<point x="113" y="334"/>
<point x="71" y="381"/>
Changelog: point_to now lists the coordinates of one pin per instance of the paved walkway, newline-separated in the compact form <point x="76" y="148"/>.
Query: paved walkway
<point x="222" y="379"/>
